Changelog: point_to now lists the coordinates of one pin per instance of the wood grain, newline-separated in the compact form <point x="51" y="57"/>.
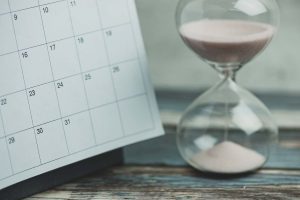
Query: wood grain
<point x="162" y="182"/>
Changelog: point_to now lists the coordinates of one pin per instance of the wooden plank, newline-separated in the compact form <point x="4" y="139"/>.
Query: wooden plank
<point x="262" y="193"/>
<point x="144" y="182"/>
<point x="163" y="151"/>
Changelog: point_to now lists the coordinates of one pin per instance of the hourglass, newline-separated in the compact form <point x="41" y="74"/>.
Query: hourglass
<point x="227" y="129"/>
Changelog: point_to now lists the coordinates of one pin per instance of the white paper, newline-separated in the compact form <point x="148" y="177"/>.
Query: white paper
<point x="74" y="83"/>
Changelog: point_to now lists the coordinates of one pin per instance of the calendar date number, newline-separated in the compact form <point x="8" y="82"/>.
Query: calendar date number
<point x="3" y="101"/>
<point x="39" y="131"/>
<point x="31" y="93"/>
<point x="60" y="85"/>
<point x="67" y="122"/>
<point x="11" y="140"/>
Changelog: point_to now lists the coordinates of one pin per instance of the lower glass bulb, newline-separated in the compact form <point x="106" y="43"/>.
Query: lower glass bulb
<point x="226" y="130"/>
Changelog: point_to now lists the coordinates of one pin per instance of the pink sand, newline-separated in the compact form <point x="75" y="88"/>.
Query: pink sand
<point x="226" y="41"/>
<point x="229" y="158"/>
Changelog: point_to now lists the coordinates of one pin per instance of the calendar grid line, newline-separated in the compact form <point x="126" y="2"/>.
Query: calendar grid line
<point x="86" y="149"/>
<point x="5" y="137"/>
<point x="140" y="64"/>
<point x="20" y="62"/>
<point x="76" y="113"/>
<point x="82" y="80"/>
<point x="4" y="13"/>
<point x="114" y="26"/>
<point x="50" y="62"/>
<point x="110" y="66"/>
<point x="28" y="8"/>
<point x="54" y="41"/>
<point x="65" y="38"/>
<point x="66" y="77"/>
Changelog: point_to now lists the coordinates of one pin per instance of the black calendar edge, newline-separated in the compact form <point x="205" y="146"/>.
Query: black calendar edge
<point x="62" y="175"/>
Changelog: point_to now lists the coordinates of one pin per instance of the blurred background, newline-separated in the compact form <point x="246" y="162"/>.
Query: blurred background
<point x="180" y="76"/>
<point x="175" y="68"/>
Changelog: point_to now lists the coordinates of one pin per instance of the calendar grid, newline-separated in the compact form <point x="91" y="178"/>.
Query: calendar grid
<point x="59" y="107"/>
<point x="62" y="39"/>
<point x="18" y="10"/>
<point x="140" y="132"/>
<point x="74" y="114"/>
<point x="113" y="83"/>
<point x="119" y="67"/>
<point x="19" y="57"/>
<point x="66" y="77"/>
<point x="81" y="71"/>
<point x="50" y="42"/>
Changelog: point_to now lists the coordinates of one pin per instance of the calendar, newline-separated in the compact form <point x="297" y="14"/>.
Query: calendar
<point x="74" y="83"/>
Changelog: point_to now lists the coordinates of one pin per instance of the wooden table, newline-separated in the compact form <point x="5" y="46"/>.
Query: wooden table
<point x="154" y="170"/>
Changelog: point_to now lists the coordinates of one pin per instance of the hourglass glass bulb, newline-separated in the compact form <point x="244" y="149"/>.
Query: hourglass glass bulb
<point x="227" y="129"/>
<point x="232" y="42"/>
<point x="227" y="32"/>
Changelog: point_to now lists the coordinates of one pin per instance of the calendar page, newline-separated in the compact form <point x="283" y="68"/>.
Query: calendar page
<point x="73" y="84"/>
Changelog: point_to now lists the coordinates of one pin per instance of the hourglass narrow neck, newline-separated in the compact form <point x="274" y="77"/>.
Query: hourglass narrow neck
<point x="228" y="74"/>
<point x="227" y="71"/>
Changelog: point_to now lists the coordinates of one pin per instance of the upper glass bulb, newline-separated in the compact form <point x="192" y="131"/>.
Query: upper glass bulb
<point x="227" y="32"/>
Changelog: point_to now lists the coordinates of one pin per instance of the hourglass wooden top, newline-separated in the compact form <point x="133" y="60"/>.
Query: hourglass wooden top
<point x="226" y="41"/>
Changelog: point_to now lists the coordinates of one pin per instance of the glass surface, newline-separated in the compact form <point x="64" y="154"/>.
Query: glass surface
<point x="227" y="129"/>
